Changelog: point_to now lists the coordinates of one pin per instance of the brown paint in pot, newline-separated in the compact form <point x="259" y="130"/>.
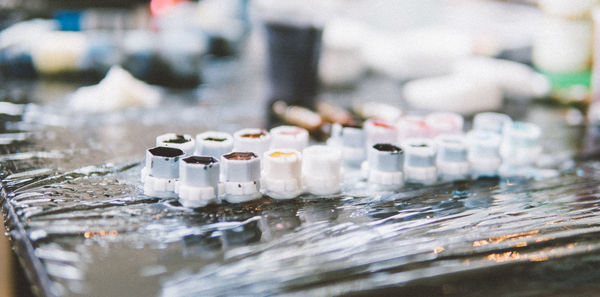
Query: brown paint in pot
<point x="254" y="135"/>
<point x="240" y="156"/>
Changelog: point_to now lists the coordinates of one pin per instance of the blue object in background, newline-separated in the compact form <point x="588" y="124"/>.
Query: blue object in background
<point x="16" y="62"/>
<point x="69" y="20"/>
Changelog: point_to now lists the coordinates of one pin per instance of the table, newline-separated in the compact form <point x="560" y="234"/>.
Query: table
<point x="80" y="224"/>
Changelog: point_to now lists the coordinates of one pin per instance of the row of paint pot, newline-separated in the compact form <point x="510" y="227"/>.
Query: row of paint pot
<point x="436" y="146"/>
<point x="218" y="166"/>
<point x="241" y="176"/>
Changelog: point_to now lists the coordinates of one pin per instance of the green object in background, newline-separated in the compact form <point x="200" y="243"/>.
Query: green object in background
<point x="569" y="87"/>
<point x="567" y="80"/>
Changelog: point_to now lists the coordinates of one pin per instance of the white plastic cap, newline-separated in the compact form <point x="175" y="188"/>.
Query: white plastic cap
<point x="385" y="157"/>
<point x="491" y="121"/>
<point x="321" y="169"/>
<point x="251" y="140"/>
<point x="240" y="175"/>
<point x="444" y="123"/>
<point x="378" y="131"/>
<point x="350" y="136"/>
<point x="281" y="175"/>
<point x="451" y="159"/>
<point x="412" y="126"/>
<point x="351" y="140"/>
<point x="419" y="152"/>
<point x="291" y="137"/>
<point x="183" y="142"/>
<point x="520" y="144"/>
<point x="199" y="171"/>
<point x="198" y="182"/>
<point x="240" y="167"/>
<point x="214" y="144"/>
<point x="163" y="162"/>
<point x="386" y="162"/>
<point x="451" y="148"/>
<point x="161" y="171"/>
<point x="483" y="154"/>
<point x="419" y="161"/>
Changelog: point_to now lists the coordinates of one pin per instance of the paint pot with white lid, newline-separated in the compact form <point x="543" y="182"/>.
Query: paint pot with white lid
<point x="251" y="140"/>
<point x="451" y="161"/>
<point x="321" y="169"/>
<point x="444" y="123"/>
<point x="183" y="142"/>
<point x="351" y="140"/>
<point x="386" y="162"/>
<point x="281" y="176"/>
<point x="412" y="126"/>
<point x="520" y="146"/>
<point x="289" y="137"/>
<point x="240" y="177"/>
<point x="161" y="171"/>
<point x="198" y="183"/>
<point x="419" y="161"/>
<point x="214" y="144"/>
<point x="484" y="153"/>
<point x="491" y="121"/>
<point x="377" y="131"/>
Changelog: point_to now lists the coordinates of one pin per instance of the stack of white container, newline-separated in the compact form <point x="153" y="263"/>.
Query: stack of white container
<point x="217" y="166"/>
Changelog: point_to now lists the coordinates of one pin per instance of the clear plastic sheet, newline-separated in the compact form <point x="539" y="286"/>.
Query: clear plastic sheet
<point x="74" y="207"/>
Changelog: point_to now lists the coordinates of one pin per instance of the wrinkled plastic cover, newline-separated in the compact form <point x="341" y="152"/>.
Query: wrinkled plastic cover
<point x="73" y="203"/>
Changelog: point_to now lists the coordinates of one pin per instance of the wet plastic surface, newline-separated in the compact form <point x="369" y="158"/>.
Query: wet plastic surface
<point x="74" y="207"/>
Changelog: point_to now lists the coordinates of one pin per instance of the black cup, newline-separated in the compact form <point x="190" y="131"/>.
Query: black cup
<point x="293" y="60"/>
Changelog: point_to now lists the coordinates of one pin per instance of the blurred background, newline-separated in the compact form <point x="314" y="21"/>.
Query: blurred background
<point x="464" y="56"/>
<point x="169" y="43"/>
